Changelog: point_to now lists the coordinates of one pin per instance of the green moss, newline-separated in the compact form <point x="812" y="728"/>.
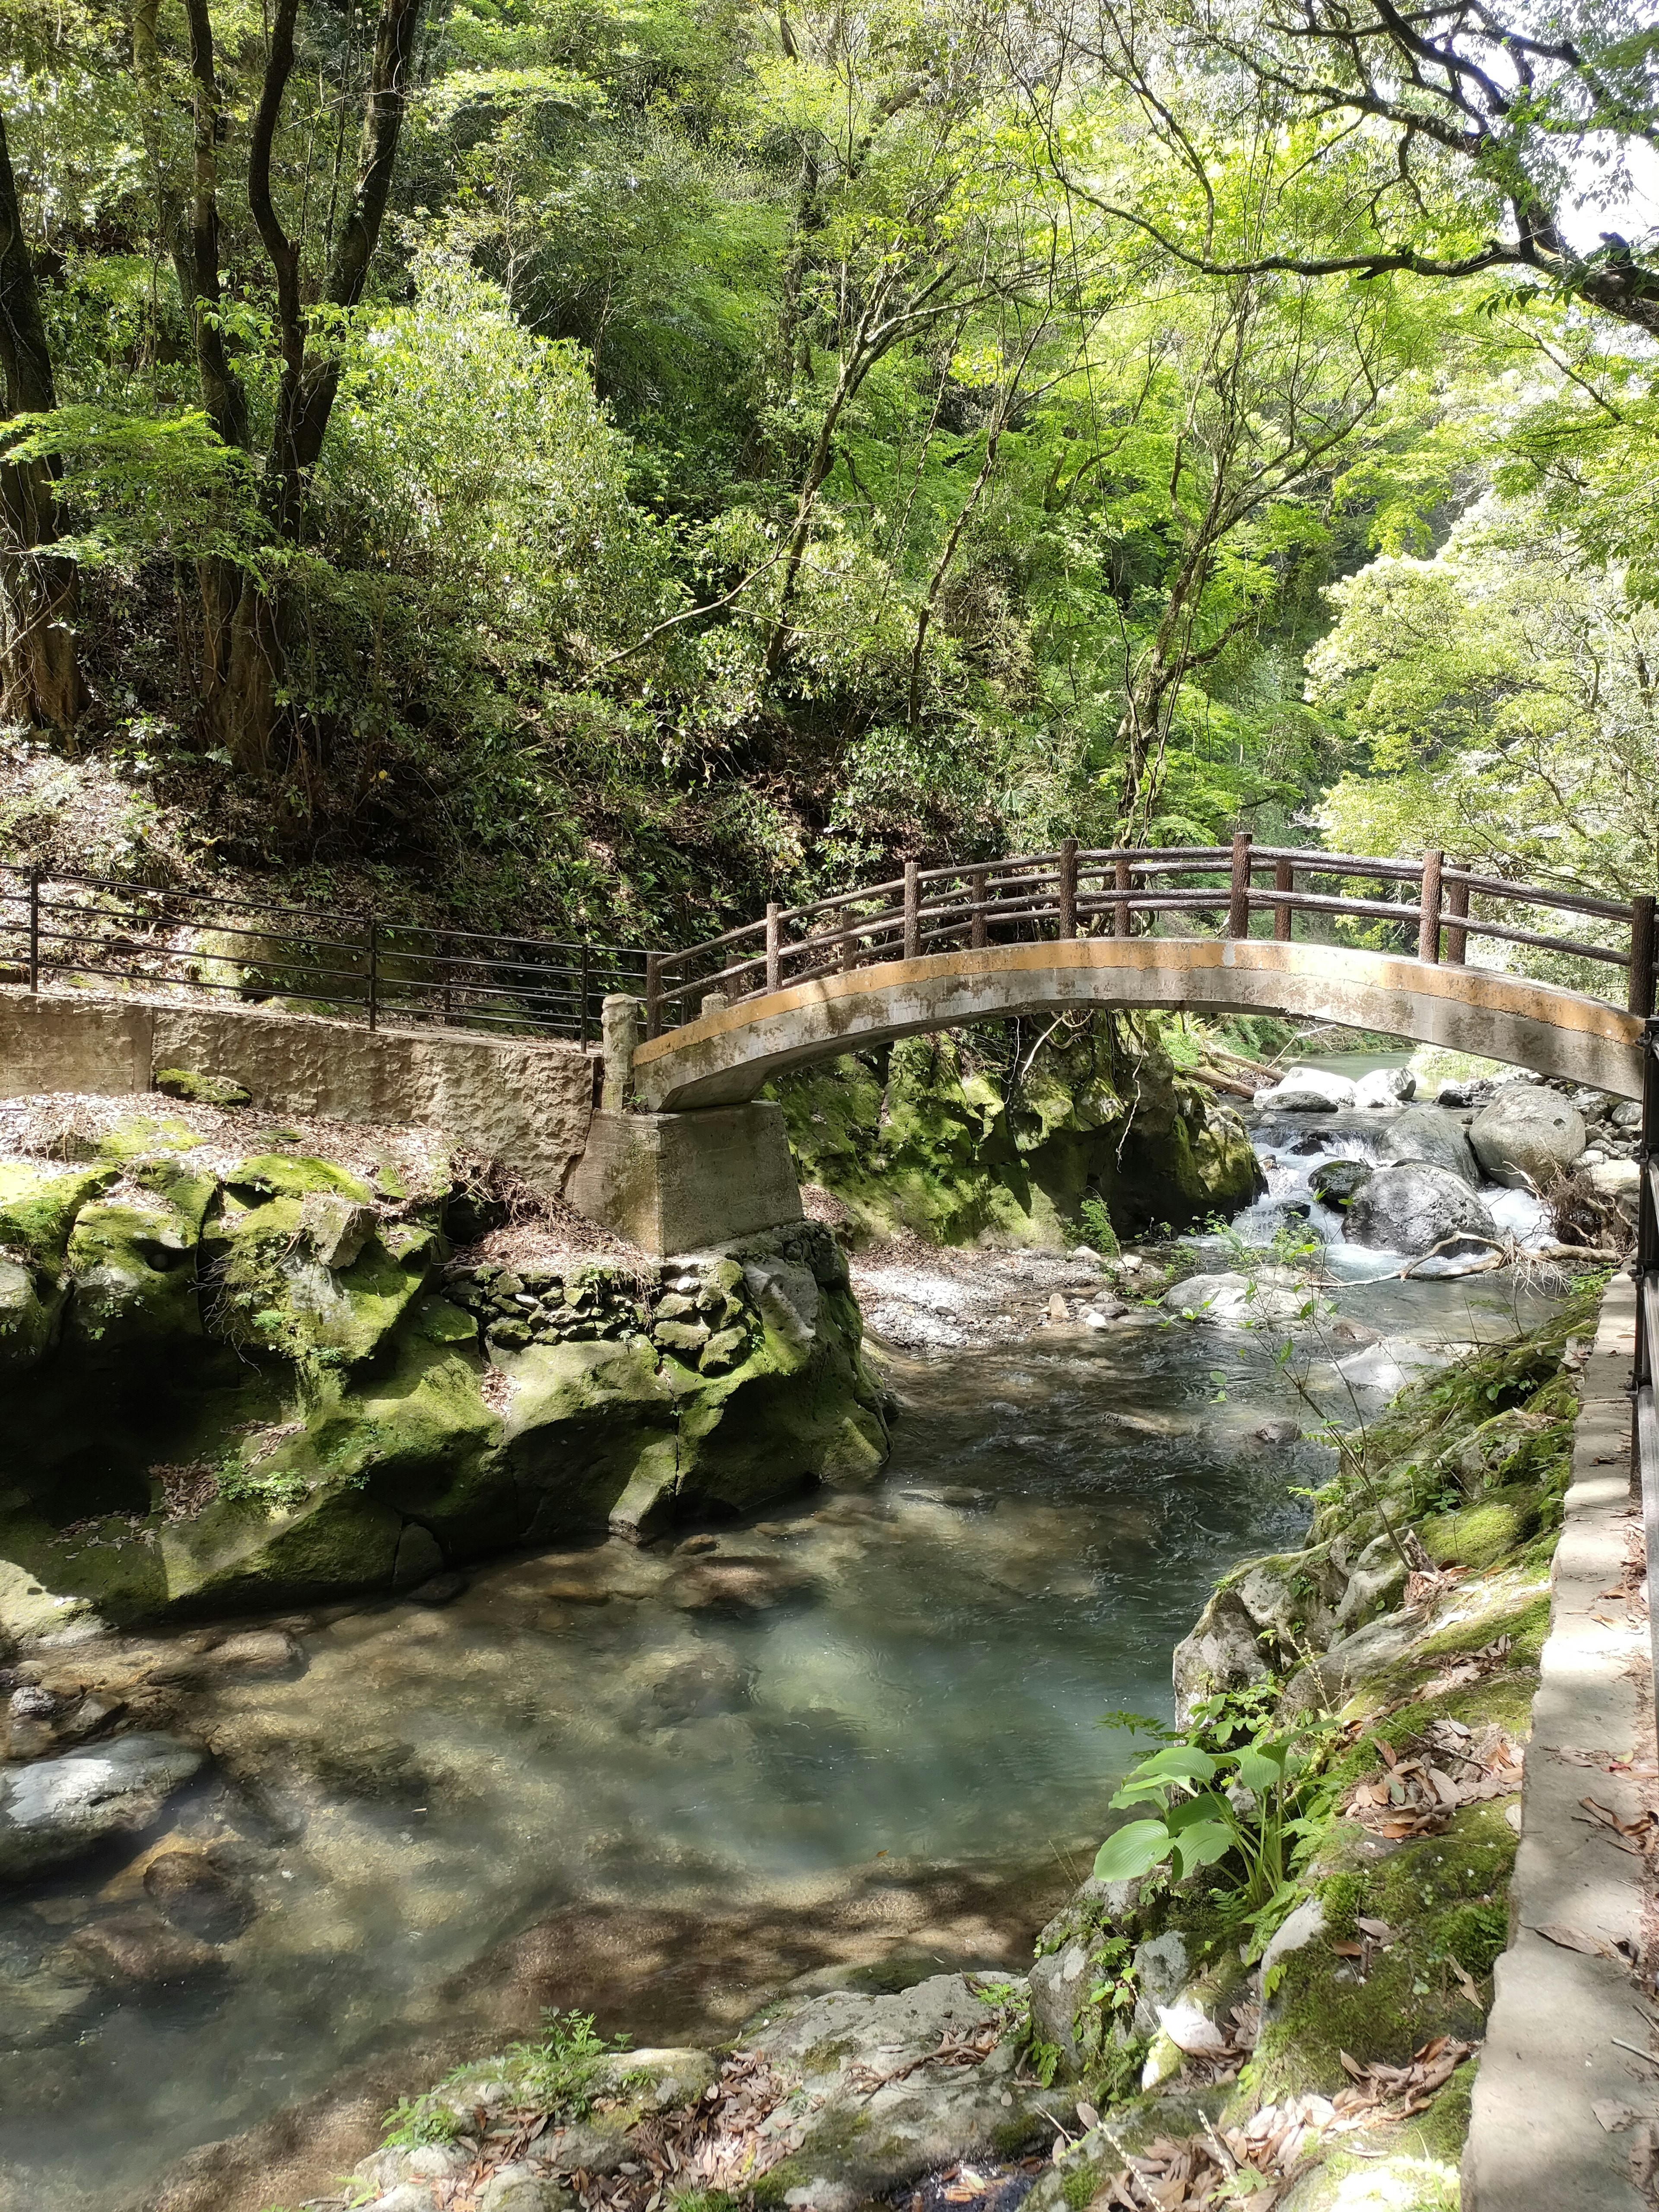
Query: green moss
<point x="132" y="1139"/>
<point x="1437" y="1891"/>
<point x="277" y="1175"/>
<point x="203" y="1090"/>
<point x="1481" y="1536"/>
<point x="39" y="1206"/>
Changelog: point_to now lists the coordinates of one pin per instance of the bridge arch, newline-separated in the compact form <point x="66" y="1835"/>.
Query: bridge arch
<point x="724" y="1057"/>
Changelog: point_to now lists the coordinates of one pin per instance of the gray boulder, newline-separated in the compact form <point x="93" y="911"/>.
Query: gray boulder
<point x="1416" y="1208"/>
<point x="1432" y="1135"/>
<point x="58" y="1808"/>
<point x="1384" y="1087"/>
<point x="849" y="2130"/>
<point x="520" y="2188"/>
<point x="1339" y="1182"/>
<point x="1526" y="1137"/>
<point x="1308" y="1091"/>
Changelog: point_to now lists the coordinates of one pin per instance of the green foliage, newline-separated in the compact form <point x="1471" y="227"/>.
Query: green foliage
<point x="413" y="2121"/>
<point x="1241" y="1795"/>
<point x="555" y="2072"/>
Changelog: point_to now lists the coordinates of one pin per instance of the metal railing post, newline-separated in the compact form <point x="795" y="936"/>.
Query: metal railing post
<point x="774" y="950"/>
<point x="1428" y="912"/>
<point x="1068" y="887"/>
<point x="586" y="992"/>
<point x="372" y="943"/>
<point x="1238" y="901"/>
<point x="1641" y="954"/>
<point x="1122" y="883"/>
<point x="1284" y="880"/>
<point x="912" y="912"/>
<point x="34" y="926"/>
<point x="1457" y="940"/>
<point x="978" y="931"/>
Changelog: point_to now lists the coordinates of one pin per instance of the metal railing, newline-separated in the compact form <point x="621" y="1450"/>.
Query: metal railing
<point x="100" y="930"/>
<point x="1644" y="1434"/>
<point x="1071" y="892"/>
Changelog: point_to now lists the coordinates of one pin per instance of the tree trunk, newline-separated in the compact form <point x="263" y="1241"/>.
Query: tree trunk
<point x="40" y="590"/>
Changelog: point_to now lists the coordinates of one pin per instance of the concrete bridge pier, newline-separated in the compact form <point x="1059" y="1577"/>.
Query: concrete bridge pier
<point x="679" y="1182"/>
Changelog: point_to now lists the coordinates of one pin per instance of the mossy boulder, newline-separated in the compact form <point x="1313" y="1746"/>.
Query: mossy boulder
<point x="28" y="1319"/>
<point x="132" y="1266"/>
<point x="1479" y="1536"/>
<point x="273" y="1290"/>
<point x="39" y="1204"/>
<point x="202" y="1089"/>
<point x="962" y="1136"/>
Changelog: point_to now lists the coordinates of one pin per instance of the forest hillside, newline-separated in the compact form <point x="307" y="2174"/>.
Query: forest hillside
<point x="591" y="465"/>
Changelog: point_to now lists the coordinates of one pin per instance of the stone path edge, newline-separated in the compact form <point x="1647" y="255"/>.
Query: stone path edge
<point x="1534" y="2142"/>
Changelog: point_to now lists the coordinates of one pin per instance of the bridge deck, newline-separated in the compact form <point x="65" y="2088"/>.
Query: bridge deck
<point x="726" y="1057"/>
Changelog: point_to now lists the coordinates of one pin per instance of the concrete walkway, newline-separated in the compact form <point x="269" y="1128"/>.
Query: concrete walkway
<point x="1565" y="2118"/>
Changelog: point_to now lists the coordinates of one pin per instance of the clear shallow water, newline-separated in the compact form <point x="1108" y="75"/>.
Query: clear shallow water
<point x="863" y="1721"/>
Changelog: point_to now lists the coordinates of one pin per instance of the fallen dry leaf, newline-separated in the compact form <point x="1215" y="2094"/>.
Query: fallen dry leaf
<point x="1574" y="1939"/>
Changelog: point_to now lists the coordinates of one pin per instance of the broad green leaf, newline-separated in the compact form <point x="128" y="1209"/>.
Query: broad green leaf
<point x="1202" y="1845"/>
<point x="1262" y="1770"/>
<point x="1134" y="1849"/>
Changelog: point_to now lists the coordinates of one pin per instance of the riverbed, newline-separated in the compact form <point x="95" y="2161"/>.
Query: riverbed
<point x="658" y="1783"/>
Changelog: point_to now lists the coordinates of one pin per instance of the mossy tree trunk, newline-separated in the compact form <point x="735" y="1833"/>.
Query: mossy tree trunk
<point x="39" y="589"/>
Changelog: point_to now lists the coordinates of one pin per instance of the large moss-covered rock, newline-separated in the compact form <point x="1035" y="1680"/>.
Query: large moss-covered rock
<point x="262" y="1389"/>
<point x="962" y="1137"/>
<point x="38" y="1203"/>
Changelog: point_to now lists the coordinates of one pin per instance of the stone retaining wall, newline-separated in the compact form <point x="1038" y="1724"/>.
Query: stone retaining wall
<point x="527" y="1104"/>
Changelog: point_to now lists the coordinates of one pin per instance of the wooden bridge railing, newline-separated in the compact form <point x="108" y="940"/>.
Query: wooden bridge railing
<point x="1122" y="891"/>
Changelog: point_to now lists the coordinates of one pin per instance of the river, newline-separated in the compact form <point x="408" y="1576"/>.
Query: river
<point x="659" y="1783"/>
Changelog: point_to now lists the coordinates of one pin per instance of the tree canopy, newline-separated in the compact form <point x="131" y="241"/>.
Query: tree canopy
<point x="598" y="464"/>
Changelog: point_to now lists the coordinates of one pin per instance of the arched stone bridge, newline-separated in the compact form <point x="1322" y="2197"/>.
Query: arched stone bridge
<point x="693" y="1160"/>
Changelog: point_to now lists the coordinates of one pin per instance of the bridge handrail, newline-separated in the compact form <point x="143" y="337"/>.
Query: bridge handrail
<point x="1645" y="1423"/>
<point x="1068" y="891"/>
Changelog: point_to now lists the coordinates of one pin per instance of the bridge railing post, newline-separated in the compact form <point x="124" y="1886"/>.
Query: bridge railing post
<point x="1122" y="883"/>
<point x="654" y="995"/>
<point x="1284" y="880"/>
<point x="1428" y="913"/>
<point x="35" y="926"/>
<point x="372" y="950"/>
<point x="912" y="912"/>
<point x="1238" y="901"/>
<point x="1068" y="887"/>
<point x="1457" y="909"/>
<point x="1641" y="954"/>
<point x="774" y="948"/>
<point x="978" y="933"/>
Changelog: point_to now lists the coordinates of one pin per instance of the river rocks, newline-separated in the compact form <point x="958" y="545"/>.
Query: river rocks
<point x="139" y="1950"/>
<point x="655" y="2081"/>
<point x="1339" y="1182"/>
<point x="739" y="1585"/>
<point x="1391" y="1364"/>
<point x="1308" y="1091"/>
<point x="1234" y="1300"/>
<point x="54" y="1810"/>
<point x="1222" y="1652"/>
<point x="520" y="2188"/>
<point x="1416" y="1208"/>
<point x="867" y="2113"/>
<point x="1279" y="1432"/>
<point x="1384" y="1087"/>
<point x="1426" y="1135"/>
<point x="1526" y="1137"/>
<point x="192" y="1894"/>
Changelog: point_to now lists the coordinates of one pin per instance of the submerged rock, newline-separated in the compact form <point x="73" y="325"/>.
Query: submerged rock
<point x="55" y="1809"/>
<point x="1234" y="1299"/>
